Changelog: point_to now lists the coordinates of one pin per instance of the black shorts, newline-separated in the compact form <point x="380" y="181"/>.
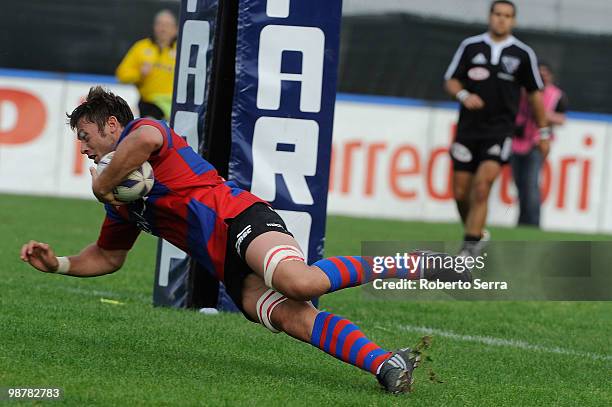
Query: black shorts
<point x="468" y="154"/>
<point x="243" y="229"/>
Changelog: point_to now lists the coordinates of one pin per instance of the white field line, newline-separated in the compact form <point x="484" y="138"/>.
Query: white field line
<point x="485" y="340"/>
<point x="509" y="343"/>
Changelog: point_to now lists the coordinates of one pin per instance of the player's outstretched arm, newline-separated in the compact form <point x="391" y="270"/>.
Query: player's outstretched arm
<point x="92" y="261"/>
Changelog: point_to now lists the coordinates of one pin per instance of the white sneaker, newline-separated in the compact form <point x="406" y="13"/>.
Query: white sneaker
<point x="474" y="249"/>
<point x="483" y="242"/>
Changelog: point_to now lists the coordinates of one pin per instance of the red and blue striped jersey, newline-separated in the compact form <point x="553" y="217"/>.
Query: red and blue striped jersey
<point x="188" y="205"/>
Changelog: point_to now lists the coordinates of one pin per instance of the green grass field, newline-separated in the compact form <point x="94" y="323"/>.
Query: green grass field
<point x="57" y="331"/>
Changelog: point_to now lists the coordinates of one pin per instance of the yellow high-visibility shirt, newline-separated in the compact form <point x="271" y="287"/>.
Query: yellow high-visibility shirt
<point x="156" y="87"/>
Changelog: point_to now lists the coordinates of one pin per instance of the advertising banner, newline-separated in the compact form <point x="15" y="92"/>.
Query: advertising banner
<point x="191" y="82"/>
<point x="286" y="73"/>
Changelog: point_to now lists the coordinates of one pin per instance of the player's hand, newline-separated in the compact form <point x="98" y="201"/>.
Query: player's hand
<point x="473" y="102"/>
<point x="145" y="69"/>
<point x="40" y="256"/>
<point x="544" y="147"/>
<point x="104" y="197"/>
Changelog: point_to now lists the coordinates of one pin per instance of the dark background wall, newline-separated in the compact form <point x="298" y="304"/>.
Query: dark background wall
<point x="85" y="36"/>
<point x="395" y="54"/>
<point x="404" y="55"/>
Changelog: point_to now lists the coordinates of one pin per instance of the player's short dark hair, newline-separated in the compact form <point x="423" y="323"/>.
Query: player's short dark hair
<point x="508" y="2"/>
<point x="99" y="106"/>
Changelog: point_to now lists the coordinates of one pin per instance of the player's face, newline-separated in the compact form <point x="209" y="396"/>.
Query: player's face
<point x="165" y="28"/>
<point x="501" y="20"/>
<point x="95" y="144"/>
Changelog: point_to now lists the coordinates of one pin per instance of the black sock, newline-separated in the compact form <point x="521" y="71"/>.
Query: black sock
<point x="471" y="238"/>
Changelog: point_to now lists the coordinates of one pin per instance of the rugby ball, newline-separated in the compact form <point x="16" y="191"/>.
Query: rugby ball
<point x="135" y="186"/>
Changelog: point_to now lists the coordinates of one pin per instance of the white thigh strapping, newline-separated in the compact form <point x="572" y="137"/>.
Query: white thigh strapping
<point x="276" y="255"/>
<point x="265" y="305"/>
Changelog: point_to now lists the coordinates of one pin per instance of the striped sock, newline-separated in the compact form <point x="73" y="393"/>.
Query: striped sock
<point x="351" y="271"/>
<point x="343" y="340"/>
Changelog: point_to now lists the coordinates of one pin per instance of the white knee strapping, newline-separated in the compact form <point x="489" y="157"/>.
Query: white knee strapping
<point x="274" y="256"/>
<point x="265" y="305"/>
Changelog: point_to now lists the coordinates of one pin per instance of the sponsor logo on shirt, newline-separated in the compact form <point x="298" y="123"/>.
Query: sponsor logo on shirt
<point x="275" y="225"/>
<point x="479" y="59"/>
<point x="479" y="73"/>
<point x="505" y="76"/>
<point x="136" y="212"/>
<point x="510" y="64"/>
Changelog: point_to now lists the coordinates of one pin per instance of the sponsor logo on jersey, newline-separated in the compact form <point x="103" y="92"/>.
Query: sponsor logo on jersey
<point x="241" y="236"/>
<point x="461" y="153"/>
<point x="479" y="73"/>
<point x="136" y="212"/>
<point x="510" y="64"/>
<point x="505" y="76"/>
<point x="479" y="59"/>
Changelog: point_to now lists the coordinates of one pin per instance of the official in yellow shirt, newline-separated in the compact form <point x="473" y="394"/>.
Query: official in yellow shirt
<point x="149" y="64"/>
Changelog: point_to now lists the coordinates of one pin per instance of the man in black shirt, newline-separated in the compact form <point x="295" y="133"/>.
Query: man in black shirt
<point x="486" y="76"/>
